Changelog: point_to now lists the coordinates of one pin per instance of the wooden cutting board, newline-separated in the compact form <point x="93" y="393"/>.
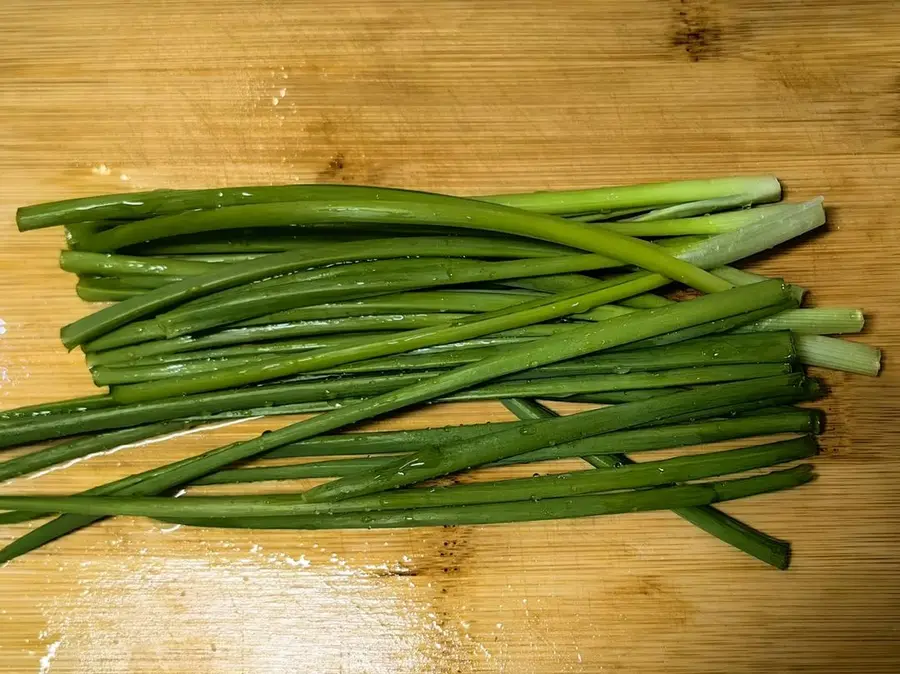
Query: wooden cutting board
<point x="462" y="97"/>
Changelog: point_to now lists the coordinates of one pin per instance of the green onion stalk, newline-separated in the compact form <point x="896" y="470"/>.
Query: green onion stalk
<point x="733" y="244"/>
<point x="140" y="205"/>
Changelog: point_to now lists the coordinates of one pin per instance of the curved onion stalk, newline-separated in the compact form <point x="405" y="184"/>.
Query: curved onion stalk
<point x="448" y="211"/>
<point x="139" y="205"/>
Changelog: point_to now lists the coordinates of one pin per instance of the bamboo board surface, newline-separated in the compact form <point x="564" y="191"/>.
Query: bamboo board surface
<point x="463" y="97"/>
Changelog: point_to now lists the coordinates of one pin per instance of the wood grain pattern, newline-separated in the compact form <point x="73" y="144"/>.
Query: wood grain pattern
<point x="463" y="97"/>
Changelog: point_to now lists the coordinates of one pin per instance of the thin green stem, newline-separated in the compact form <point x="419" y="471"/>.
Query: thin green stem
<point x="139" y="205"/>
<point x="253" y="341"/>
<point x="105" y="264"/>
<point x="61" y="406"/>
<point x="772" y="551"/>
<point x="704" y="224"/>
<point x="756" y="189"/>
<point x="76" y="449"/>
<point x="701" y="207"/>
<point x="450" y="301"/>
<point x="92" y="289"/>
<point x="219" y="311"/>
<point x="660" y="498"/>
<point x="820" y="321"/>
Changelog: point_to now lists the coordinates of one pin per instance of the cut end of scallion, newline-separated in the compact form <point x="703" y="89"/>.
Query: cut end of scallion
<point x="817" y="422"/>
<point x="839" y="354"/>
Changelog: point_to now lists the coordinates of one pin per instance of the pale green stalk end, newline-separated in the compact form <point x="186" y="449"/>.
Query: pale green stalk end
<point x="839" y="354"/>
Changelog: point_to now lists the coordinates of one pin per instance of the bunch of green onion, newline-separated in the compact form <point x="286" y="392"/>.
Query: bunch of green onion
<point x="358" y="302"/>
